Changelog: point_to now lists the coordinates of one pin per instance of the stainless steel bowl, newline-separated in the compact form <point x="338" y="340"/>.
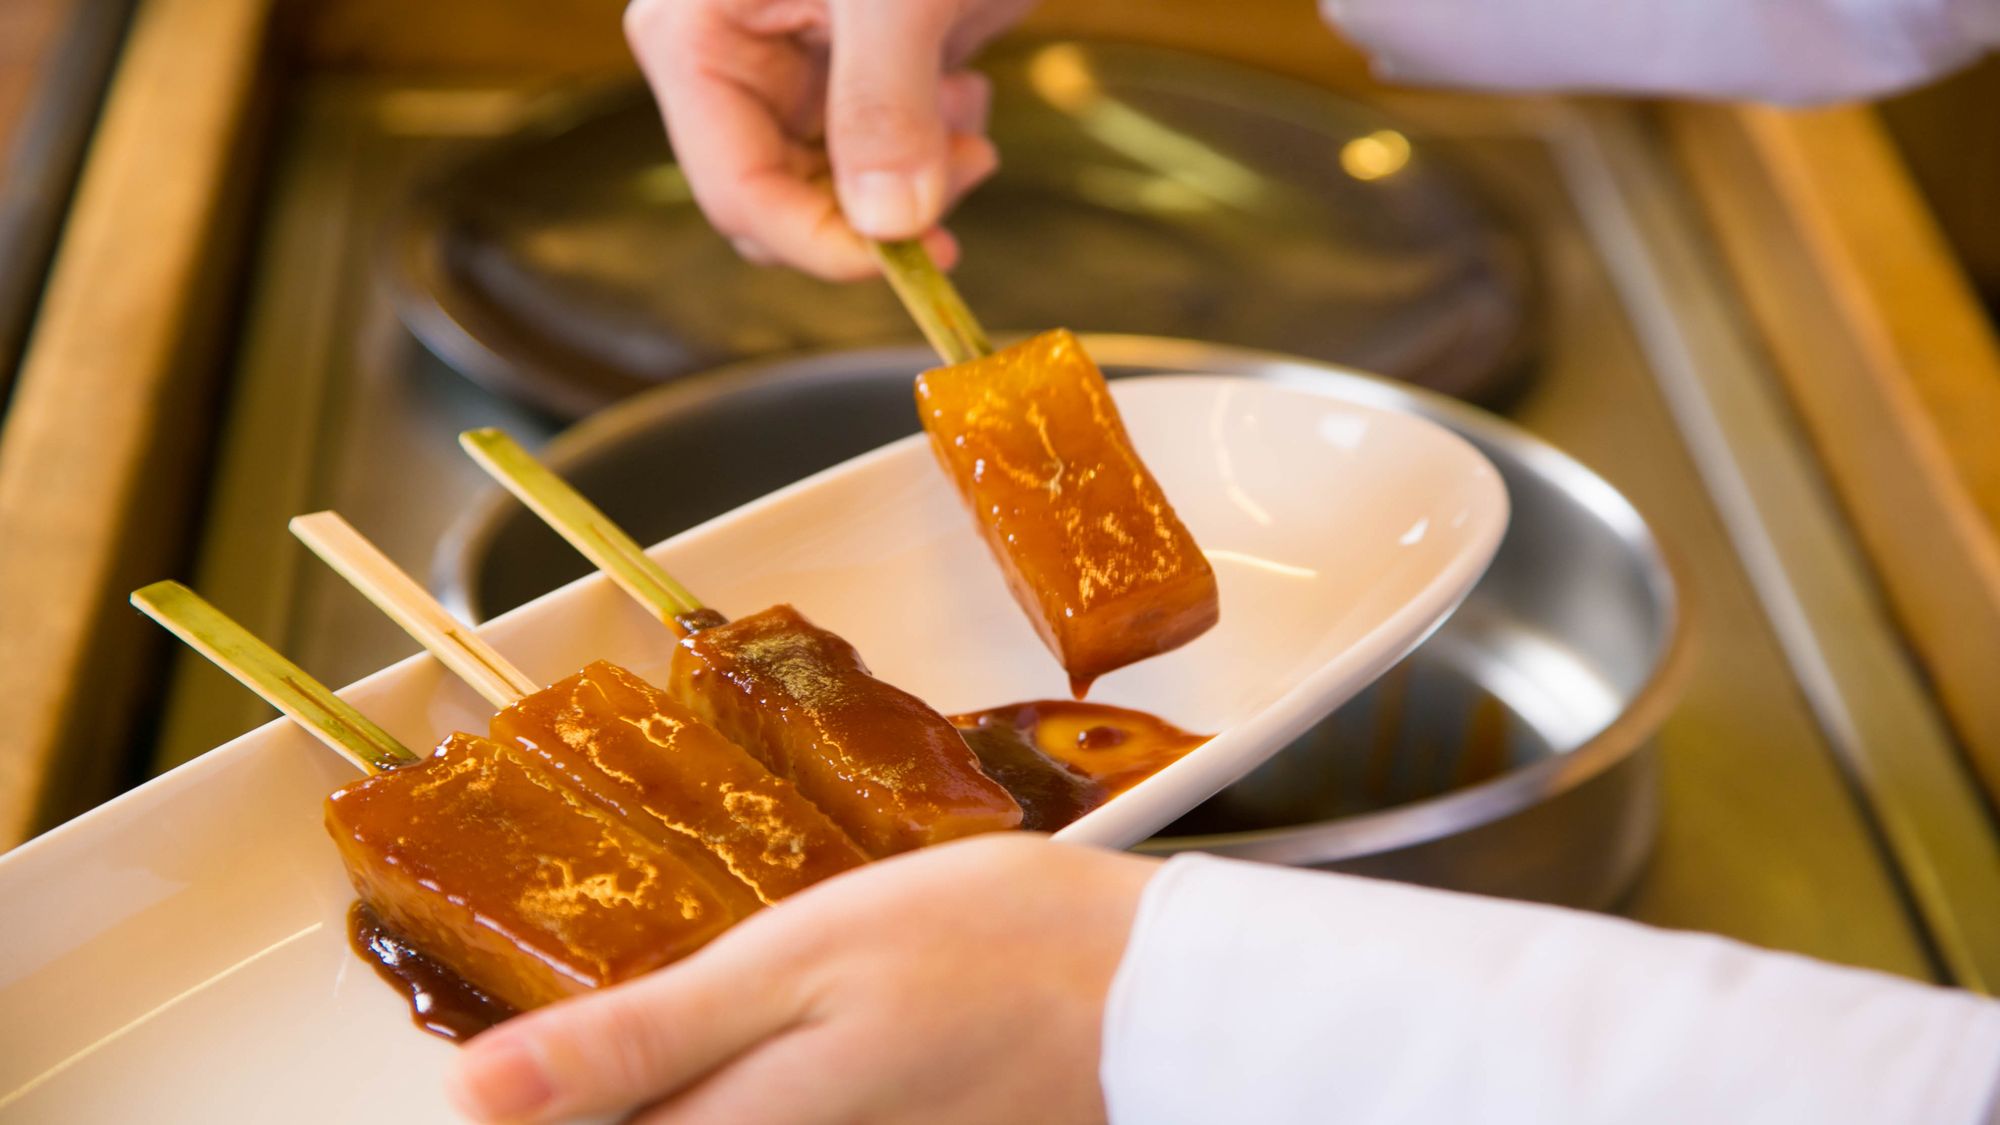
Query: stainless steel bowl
<point x="1510" y="754"/>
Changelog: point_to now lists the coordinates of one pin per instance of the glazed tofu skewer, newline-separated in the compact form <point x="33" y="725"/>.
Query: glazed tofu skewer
<point x="1091" y="549"/>
<point x="281" y="683"/>
<point x="595" y="535"/>
<point x="477" y="855"/>
<point x="618" y="741"/>
<point x="405" y="602"/>
<point x="885" y="766"/>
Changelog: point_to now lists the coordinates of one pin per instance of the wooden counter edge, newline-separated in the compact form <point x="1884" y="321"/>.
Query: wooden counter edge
<point x="101" y="445"/>
<point x="1888" y="358"/>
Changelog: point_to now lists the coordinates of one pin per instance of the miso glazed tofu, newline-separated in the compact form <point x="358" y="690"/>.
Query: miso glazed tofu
<point x="649" y="759"/>
<point x="888" y="769"/>
<point x="1090" y="547"/>
<point x="488" y="863"/>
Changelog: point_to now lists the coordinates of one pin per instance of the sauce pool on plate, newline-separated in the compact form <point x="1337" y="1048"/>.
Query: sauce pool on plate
<point x="1061" y="758"/>
<point x="441" y="1002"/>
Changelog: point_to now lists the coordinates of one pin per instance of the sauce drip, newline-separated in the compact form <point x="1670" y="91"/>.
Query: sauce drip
<point x="441" y="1001"/>
<point x="1060" y="759"/>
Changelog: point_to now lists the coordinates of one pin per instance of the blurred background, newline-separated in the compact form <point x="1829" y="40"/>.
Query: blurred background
<point x="259" y="257"/>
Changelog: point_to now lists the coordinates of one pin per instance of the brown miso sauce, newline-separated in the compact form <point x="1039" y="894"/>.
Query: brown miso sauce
<point x="441" y="1001"/>
<point x="1061" y="758"/>
<point x="1050" y="793"/>
<point x="1102" y="738"/>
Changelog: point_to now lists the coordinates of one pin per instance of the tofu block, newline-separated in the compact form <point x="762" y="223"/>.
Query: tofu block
<point x="1091" y="549"/>
<point x="486" y="862"/>
<point x="882" y="764"/>
<point x="649" y="759"/>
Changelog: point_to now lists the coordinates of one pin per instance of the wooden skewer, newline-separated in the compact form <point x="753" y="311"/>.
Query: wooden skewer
<point x="931" y="300"/>
<point x="587" y="529"/>
<point x="409" y="605"/>
<point x="282" y="683"/>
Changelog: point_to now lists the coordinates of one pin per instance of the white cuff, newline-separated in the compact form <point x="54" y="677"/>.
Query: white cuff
<point x="1772" y="50"/>
<point x="1253" y="993"/>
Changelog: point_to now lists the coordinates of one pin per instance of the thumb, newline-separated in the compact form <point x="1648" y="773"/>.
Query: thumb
<point x="885" y="125"/>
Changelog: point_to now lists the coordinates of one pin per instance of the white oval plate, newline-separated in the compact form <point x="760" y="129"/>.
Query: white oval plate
<point x="180" y="953"/>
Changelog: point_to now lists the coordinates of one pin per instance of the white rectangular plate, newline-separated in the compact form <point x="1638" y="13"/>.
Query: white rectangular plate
<point x="180" y="953"/>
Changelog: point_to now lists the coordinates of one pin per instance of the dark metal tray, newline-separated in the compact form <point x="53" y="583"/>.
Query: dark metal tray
<point x="1142" y="191"/>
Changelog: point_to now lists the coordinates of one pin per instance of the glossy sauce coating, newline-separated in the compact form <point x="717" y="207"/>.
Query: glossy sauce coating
<point x="480" y="856"/>
<point x="649" y="759"/>
<point x="881" y="763"/>
<point x="441" y="1002"/>
<point x="1090" y="546"/>
<point x="1062" y="759"/>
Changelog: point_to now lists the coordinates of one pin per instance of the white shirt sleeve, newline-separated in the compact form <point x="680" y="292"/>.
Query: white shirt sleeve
<point x="1771" y="50"/>
<point x="1253" y="993"/>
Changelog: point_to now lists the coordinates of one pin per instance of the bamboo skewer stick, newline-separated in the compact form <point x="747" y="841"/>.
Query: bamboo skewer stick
<point x="282" y="683"/>
<point x="931" y="300"/>
<point x="587" y="529"/>
<point x="409" y="605"/>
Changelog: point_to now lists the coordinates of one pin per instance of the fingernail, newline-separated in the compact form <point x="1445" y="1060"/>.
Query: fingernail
<point x="892" y="204"/>
<point x="500" y="1079"/>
